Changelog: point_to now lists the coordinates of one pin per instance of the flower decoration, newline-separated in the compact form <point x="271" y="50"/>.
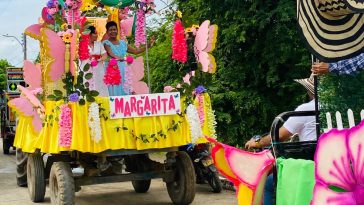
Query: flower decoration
<point x="67" y="37"/>
<point x="89" y="7"/>
<point x="112" y="75"/>
<point x="179" y="44"/>
<point x="201" y="112"/>
<point x="140" y="28"/>
<point x="83" y="51"/>
<point x="64" y="26"/>
<point x="65" y="126"/>
<point x="94" y="122"/>
<point x="200" y="89"/>
<point x="168" y="89"/>
<point x="194" y="123"/>
<point x="179" y="14"/>
<point x="339" y="172"/>
<point x="73" y="97"/>
<point x="129" y="59"/>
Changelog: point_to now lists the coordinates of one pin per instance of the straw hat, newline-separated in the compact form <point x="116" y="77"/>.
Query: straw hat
<point x="332" y="29"/>
<point x="308" y="83"/>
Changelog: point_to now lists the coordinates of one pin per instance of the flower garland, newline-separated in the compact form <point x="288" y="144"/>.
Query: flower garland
<point x="128" y="88"/>
<point x="201" y="112"/>
<point x="83" y="51"/>
<point x="179" y="44"/>
<point x="65" y="126"/>
<point x="211" y="122"/>
<point x="193" y="121"/>
<point x="112" y="75"/>
<point x="94" y="122"/>
<point x="140" y="28"/>
<point x="74" y="13"/>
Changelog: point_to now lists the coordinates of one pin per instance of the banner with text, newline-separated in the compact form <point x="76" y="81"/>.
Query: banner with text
<point x="145" y="105"/>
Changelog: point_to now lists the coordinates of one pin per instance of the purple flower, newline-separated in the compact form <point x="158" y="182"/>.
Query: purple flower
<point x="73" y="97"/>
<point x="50" y="4"/>
<point x="200" y="89"/>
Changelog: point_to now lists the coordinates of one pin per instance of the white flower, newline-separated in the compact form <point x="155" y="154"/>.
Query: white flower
<point x="94" y="122"/>
<point x="194" y="122"/>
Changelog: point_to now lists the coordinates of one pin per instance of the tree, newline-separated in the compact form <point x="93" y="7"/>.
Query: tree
<point x="258" y="54"/>
<point x="3" y="65"/>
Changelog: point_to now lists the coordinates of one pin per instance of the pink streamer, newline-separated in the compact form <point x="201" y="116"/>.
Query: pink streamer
<point x="140" y="28"/>
<point x="65" y="126"/>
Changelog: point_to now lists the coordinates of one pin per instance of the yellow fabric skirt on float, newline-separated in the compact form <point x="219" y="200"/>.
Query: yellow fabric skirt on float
<point x="132" y="133"/>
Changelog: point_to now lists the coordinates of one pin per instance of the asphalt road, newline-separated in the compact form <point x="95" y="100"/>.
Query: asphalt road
<point x="106" y="194"/>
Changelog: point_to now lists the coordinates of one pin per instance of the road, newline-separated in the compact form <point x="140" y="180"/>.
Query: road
<point x="116" y="193"/>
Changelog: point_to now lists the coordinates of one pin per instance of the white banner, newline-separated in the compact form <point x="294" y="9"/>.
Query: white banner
<point x="145" y="105"/>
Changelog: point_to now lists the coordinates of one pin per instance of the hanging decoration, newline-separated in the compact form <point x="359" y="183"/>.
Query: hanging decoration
<point x="144" y="7"/>
<point x="83" y="51"/>
<point x="65" y="126"/>
<point x="94" y="122"/>
<point x="194" y="123"/>
<point x="179" y="44"/>
<point x="73" y="12"/>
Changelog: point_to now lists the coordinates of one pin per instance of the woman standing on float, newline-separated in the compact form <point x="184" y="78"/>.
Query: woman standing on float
<point x="117" y="50"/>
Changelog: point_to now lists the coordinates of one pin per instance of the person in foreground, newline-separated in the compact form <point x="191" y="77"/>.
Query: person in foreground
<point x="304" y="126"/>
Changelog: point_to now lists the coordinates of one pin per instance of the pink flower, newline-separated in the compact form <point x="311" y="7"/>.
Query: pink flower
<point x="52" y="11"/>
<point x="168" y="89"/>
<point x="339" y="163"/>
<point x="94" y="63"/>
<point x="129" y="59"/>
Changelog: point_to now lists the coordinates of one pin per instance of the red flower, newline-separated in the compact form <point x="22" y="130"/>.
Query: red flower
<point x="179" y="44"/>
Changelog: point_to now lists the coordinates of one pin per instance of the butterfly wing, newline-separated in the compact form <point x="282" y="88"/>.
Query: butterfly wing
<point x="25" y="108"/>
<point x="137" y="69"/>
<point x="29" y="95"/>
<point x="54" y="51"/>
<point x="32" y="74"/>
<point x="34" y="31"/>
<point x="126" y="26"/>
<point x="205" y="42"/>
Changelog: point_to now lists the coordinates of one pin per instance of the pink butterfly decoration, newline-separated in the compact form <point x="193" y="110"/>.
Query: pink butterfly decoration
<point x="205" y="42"/>
<point x="126" y="26"/>
<point x="27" y="104"/>
<point x="137" y="70"/>
<point x="54" y="49"/>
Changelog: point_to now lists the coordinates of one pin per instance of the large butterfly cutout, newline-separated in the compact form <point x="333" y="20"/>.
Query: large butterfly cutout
<point x="53" y="51"/>
<point x="137" y="70"/>
<point x="28" y="104"/>
<point x="205" y="42"/>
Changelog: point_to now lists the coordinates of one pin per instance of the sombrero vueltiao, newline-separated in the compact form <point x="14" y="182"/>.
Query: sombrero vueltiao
<point x="308" y="83"/>
<point x="332" y="29"/>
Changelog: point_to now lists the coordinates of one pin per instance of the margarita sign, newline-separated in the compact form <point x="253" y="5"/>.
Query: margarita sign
<point x="145" y="105"/>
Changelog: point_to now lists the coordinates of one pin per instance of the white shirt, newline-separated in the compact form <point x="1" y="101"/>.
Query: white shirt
<point x="98" y="49"/>
<point x="304" y="126"/>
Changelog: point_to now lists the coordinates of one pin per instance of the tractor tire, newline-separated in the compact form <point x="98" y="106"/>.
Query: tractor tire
<point x="35" y="177"/>
<point x="21" y="168"/>
<point x="182" y="190"/>
<point x="61" y="184"/>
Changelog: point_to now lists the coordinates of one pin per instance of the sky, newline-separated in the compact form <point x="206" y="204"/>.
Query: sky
<point x="15" y="17"/>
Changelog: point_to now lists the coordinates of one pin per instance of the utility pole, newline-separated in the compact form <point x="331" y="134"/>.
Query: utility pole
<point x="25" y="46"/>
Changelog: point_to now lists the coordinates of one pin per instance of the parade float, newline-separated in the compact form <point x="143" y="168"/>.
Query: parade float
<point x="64" y="124"/>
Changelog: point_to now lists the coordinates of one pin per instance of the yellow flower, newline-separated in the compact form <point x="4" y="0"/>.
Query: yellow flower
<point x="195" y="26"/>
<point x="89" y="7"/>
<point x="67" y="37"/>
<point x="179" y="14"/>
<point x="64" y="26"/>
<point x="189" y="29"/>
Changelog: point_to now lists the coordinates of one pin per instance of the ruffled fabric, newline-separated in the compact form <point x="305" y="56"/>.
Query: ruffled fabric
<point x="179" y="44"/>
<point x="112" y="74"/>
<point x="65" y="126"/>
<point x="94" y="122"/>
<point x="194" y="123"/>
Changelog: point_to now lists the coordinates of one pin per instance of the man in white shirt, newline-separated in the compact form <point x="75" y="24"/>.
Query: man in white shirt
<point x="304" y="126"/>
